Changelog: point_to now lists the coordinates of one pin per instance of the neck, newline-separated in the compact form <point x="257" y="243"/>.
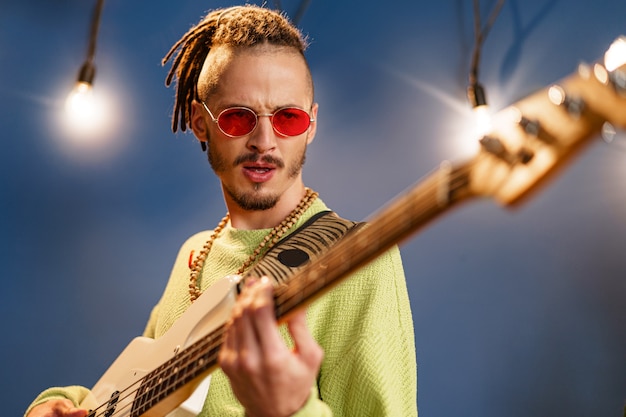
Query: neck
<point x="265" y="219"/>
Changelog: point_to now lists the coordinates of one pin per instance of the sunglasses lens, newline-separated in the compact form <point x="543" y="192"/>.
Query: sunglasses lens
<point x="237" y="121"/>
<point x="240" y="121"/>
<point x="291" y="121"/>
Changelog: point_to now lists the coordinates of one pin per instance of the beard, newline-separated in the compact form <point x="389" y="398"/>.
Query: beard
<point x="255" y="200"/>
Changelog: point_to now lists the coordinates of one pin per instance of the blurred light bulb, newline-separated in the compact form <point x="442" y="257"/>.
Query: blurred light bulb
<point x="80" y="101"/>
<point x="83" y="111"/>
<point x="482" y="115"/>
<point x="615" y="56"/>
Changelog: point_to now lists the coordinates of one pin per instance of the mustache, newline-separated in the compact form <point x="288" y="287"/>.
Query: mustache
<point x="252" y="157"/>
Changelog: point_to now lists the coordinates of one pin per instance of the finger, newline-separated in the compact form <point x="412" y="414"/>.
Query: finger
<point x="247" y="343"/>
<point x="305" y="345"/>
<point x="240" y="351"/>
<point x="239" y="310"/>
<point x="264" y="319"/>
<point x="227" y="353"/>
<point x="228" y="345"/>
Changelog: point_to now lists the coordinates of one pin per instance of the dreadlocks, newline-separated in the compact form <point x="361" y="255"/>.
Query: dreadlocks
<point x="239" y="26"/>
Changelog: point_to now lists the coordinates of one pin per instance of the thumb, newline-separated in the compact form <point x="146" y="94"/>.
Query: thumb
<point x="57" y="408"/>
<point x="76" y="412"/>
<point x="70" y="411"/>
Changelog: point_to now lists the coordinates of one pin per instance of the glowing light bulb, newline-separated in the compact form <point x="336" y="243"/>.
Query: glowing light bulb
<point x="482" y="115"/>
<point x="615" y="56"/>
<point x="82" y="110"/>
<point x="80" y="102"/>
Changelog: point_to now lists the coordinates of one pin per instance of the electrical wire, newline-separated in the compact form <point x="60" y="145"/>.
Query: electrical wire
<point x="302" y="7"/>
<point x="475" y="90"/>
<point x="93" y="34"/>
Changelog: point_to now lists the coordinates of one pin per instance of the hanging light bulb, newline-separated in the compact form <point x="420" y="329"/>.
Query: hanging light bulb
<point x="615" y="56"/>
<point x="482" y="115"/>
<point x="80" y="105"/>
<point x="83" y="112"/>
<point x="475" y="91"/>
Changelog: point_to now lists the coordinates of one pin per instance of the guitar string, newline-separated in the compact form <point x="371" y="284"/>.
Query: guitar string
<point x="284" y="296"/>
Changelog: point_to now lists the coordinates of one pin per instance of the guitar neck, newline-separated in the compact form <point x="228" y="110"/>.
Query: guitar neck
<point x="434" y="195"/>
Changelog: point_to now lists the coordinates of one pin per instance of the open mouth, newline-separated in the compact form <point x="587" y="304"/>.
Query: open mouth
<point x="259" y="173"/>
<point x="259" y="170"/>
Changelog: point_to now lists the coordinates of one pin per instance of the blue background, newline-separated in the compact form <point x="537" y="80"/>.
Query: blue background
<point x="516" y="313"/>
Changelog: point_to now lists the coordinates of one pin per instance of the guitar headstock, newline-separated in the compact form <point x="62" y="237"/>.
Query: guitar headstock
<point x="532" y="138"/>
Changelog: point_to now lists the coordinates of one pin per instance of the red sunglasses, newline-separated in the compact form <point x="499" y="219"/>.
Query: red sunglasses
<point x="241" y="121"/>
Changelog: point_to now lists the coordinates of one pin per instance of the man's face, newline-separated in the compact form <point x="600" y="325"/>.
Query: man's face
<point x="256" y="169"/>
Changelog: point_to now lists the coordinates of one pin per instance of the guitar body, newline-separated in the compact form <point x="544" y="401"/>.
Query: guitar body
<point x="119" y="385"/>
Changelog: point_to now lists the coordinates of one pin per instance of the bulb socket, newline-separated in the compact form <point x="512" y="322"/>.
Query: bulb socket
<point x="87" y="73"/>
<point x="476" y="95"/>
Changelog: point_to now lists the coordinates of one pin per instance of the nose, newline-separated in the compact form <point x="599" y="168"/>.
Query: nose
<point x="263" y="138"/>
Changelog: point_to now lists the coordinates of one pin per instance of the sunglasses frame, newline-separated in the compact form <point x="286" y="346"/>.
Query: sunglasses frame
<point x="256" y="118"/>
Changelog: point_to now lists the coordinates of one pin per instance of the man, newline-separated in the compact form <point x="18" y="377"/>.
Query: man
<point x="245" y="89"/>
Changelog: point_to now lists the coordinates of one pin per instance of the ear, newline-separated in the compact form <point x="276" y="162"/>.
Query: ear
<point x="198" y="122"/>
<point x="313" y="127"/>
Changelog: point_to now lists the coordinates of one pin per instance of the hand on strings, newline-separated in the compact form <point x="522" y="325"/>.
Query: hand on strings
<point x="57" y="408"/>
<point x="268" y="378"/>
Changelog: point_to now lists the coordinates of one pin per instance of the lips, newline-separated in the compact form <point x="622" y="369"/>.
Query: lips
<point x="259" y="172"/>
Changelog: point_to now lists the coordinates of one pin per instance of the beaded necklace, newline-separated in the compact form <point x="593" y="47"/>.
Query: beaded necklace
<point x="268" y="242"/>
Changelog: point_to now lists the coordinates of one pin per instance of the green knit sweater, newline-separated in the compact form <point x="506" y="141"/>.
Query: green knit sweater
<point x="364" y="326"/>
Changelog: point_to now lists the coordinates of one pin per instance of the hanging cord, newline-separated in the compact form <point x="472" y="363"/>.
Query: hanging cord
<point x="476" y="92"/>
<point x="88" y="70"/>
<point x="304" y="4"/>
<point x="95" y="25"/>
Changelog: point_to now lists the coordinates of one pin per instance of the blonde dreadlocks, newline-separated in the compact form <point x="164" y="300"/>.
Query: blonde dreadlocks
<point x="239" y="26"/>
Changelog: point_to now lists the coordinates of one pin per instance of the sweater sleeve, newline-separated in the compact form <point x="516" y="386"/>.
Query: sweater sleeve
<point x="74" y="393"/>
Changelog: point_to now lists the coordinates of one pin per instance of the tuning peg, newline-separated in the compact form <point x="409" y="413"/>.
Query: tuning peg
<point x="608" y="132"/>
<point x="615" y="78"/>
<point x="618" y="81"/>
<point x="495" y="147"/>
<point x="573" y="105"/>
<point x="531" y="127"/>
<point x="611" y="71"/>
